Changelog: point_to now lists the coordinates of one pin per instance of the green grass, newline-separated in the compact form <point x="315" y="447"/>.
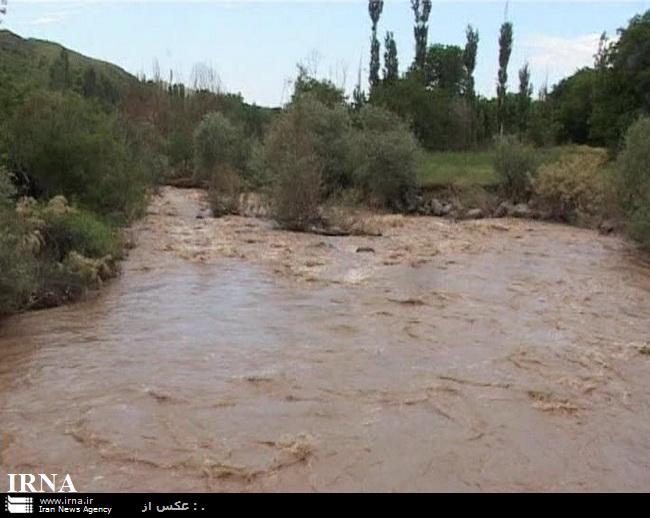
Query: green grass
<point x="467" y="168"/>
<point x="458" y="168"/>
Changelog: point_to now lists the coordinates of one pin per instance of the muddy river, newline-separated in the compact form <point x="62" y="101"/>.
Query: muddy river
<point x="486" y="355"/>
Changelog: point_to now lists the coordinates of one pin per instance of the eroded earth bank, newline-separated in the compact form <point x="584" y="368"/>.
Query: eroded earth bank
<point x="483" y="355"/>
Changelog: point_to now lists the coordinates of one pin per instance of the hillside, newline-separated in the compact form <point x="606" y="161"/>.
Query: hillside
<point x="25" y="64"/>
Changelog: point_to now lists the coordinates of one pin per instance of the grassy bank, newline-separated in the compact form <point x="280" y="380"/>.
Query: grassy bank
<point x="458" y="167"/>
<point x="474" y="168"/>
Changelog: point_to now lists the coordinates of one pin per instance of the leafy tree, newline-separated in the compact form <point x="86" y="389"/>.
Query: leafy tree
<point x="622" y="86"/>
<point x="293" y="166"/>
<point x="218" y="143"/>
<point x="375" y="7"/>
<point x="391" y="63"/>
<point x="440" y="120"/>
<point x="421" y="11"/>
<point x="68" y="145"/>
<point x="444" y="68"/>
<point x="573" y="103"/>
<point x="634" y="166"/>
<point x="384" y="155"/>
<point x="329" y="129"/>
<point x="505" y="49"/>
<point x="322" y="89"/>
<point x="630" y="58"/>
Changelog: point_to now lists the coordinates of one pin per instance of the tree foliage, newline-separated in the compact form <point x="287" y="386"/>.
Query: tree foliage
<point x="634" y="167"/>
<point x="444" y="68"/>
<point x="322" y="89"/>
<point x="68" y="145"/>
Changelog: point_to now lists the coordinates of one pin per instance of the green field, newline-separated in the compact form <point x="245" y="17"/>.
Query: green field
<point x="458" y="167"/>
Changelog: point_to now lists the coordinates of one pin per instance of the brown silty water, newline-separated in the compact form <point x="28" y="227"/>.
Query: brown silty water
<point x="488" y="355"/>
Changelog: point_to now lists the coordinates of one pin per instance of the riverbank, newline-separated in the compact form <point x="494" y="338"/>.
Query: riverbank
<point x="473" y="355"/>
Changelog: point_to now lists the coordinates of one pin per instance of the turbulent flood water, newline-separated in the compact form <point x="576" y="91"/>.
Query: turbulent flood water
<point x="489" y="355"/>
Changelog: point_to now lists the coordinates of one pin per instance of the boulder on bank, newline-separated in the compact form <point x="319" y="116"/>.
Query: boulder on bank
<point x="437" y="207"/>
<point x="474" y="214"/>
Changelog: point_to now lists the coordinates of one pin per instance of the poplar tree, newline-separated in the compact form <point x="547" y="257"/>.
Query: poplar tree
<point x="505" y="49"/>
<point x="524" y="98"/>
<point x="421" y="11"/>
<point x="469" y="59"/>
<point x="375" y="7"/>
<point x="391" y="63"/>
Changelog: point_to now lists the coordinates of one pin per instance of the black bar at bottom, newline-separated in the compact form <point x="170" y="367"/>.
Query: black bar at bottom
<point x="109" y="504"/>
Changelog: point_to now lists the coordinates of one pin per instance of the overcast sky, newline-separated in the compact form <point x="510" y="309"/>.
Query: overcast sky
<point x="254" y="46"/>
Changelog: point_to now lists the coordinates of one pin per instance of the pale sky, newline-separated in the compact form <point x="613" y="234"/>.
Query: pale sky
<point x="254" y="46"/>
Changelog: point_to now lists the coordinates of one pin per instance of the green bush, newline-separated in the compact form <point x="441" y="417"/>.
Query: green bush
<point x="440" y="120"/>
<point x="294" y="169"/>
<point x="17" y="273"/>
<point x="79" y="231"/>
<point x="69" y="146"/>
<point x="634" y="166"/>
<point x="321" y="89"/>
<point x="7" y="189"/>
<point x="384" y="156"/>
<point x="218" y="143"/>
<point x="17" y="267"/>
<point x="223" y="192"/>
<point x="573" y="188"/>
<point x="256" y="174"/>
<point x="515" y="164"/>
<point x="328" y="128"/>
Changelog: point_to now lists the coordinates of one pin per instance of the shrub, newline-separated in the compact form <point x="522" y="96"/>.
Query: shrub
<point x="69" y="146"/>
<point x="17" y="266"/>
<point x="384" y="157"/>
<point x="256" y="174"/>
<point x="321" y="89"/>
<point x="634" y="166"/>
<point x="79" y="231"/>
<point x="329" y="130"/>
<point x="66" y="229"/>
<point x="573" y="188"/>
<point x="294" y="170"/>
<point x="7" y="189"/>
<point x="218" y="143"/>
<point x="224" y="191"/>
<point x="515" y="165"/>
<point x="16" y="262"/>
<point x="149" y="147"/>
